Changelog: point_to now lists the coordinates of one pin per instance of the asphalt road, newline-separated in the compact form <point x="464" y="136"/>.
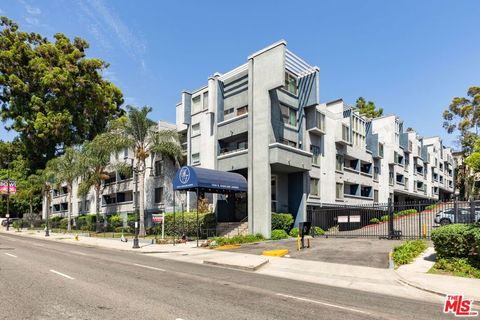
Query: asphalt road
<point x="50" y="280"/>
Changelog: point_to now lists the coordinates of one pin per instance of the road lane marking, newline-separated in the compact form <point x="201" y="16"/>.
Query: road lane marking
<point x="322" y="303"/>
<point x="62" y="274"/>
<point x="11" y="255"/>
<point x="148" y="267"/>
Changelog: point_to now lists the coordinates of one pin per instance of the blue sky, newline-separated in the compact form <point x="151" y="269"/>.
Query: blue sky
<point x="409" y="57"/>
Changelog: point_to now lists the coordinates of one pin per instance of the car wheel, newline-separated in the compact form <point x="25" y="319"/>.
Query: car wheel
<point x="444" y="222"/>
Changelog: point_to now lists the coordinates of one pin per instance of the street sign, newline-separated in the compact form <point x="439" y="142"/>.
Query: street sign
<point x="5" y="189"/>
<point x="157" y="218"/>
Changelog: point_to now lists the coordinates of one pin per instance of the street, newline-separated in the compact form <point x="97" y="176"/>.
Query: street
<point x="49" y="280"/>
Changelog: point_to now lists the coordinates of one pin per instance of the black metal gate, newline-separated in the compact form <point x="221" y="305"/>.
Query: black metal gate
<point x="400" y="220"/>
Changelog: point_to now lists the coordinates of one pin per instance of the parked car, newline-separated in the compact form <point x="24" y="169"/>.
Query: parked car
<point x="447" y="216"/>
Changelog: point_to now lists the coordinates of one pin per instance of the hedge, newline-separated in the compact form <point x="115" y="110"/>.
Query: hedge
<point x="279" y="234"/>
<point x="457" y="241"/>
<point x="239" y="239"/>
<point x="187" y="222"/>
<point x="282" y="221"/>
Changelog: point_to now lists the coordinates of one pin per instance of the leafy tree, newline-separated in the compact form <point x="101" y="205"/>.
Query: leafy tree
<point x="463" y="117"/>
<point x="367" y="109"/>
<point x="140" y="134"/>
<point x="67" y="170"/>
<point x="30" y="189"/>
<point x="47" y="180"/>
<point x="52" y="93"/>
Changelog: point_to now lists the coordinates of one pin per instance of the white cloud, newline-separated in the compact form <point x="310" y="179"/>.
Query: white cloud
<point x="32" y="20"/>
<point x="33" y="10"/>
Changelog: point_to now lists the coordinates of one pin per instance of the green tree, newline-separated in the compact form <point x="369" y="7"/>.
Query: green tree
<point x="47" y="180"/>
<point x="141" y="134"/>
<point x="367" y="109"/>
<point x="463" y="117"/>
<point x="67" y="170"/>
<point x="51" y="92"/>
<point x="30" y="190"/>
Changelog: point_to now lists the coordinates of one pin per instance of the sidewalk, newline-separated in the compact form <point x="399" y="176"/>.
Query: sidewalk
<point x="377" y="280"/>
<point x="415" y="274"/>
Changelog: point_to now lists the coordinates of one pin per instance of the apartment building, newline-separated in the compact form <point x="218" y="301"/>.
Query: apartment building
<point x="265" y="121"/>
<point x="118" y="191"/>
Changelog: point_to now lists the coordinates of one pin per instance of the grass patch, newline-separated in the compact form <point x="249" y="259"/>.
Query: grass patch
<point x="459" y="267"/>
<point x="408" y="251"/>
<point x="222" y="241"/>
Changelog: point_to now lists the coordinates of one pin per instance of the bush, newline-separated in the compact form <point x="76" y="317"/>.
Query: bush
<point x="282" y="221"/>
<point x="408" y="251"/>
<point x="120" y="229"/>
<point x="294" y="232"/>
<point x="115" y="219"/>
<point x="17" y="224"/>
<point x="457" y="241"/>
<point x="317" y="231"/>
<point x="374" y="221"/>
<point x="405" y="212"/>
<point x="431" y="207"/>
<point x="279" y="234"/>
<point x="460" y="267"/>
<point x="249" y="238"/>
<point x="188" y="223"/>
<point x="384" y="218"/>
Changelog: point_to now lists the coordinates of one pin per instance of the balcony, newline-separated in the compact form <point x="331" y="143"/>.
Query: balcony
<point x="315" y="122"/>
<point x="232" y="127"/>
<point x="289" y="159"/>
<point x="343" y="134"/>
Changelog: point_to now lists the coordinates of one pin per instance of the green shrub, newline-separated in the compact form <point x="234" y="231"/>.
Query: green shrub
<point x="460" y="267"/>
<point x="408" y="251"/>
<point x="431" y="207"/>
<point x="282" y="221"/>
<point x="279" y="234"/>
<point x="17" y="224"/>
<point x="63" y="223"/>
<point x="120" y="229"/>
<point x="249" y="238"/>
<point x="374" y="221"/>
<point x="384" y="218"/>
<point x="294" y="232"/>
<point x="457" y="241"/>
<point x="316" y="231"/>
<point x="115" y="218"/>
<point x="188" y="223"/>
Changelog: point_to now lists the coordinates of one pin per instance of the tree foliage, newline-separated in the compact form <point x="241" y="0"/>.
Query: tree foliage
<point x="53" y="95"/>
<point x="368" y="109"/>
<point x="463" y="115"/>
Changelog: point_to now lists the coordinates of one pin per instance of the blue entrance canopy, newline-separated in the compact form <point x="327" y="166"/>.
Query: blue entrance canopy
<point x="192" y="178"/>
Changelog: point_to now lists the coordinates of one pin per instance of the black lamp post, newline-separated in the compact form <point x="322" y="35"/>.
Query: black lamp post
<point x="135" y="205"/>
<point x="8" y="197"/>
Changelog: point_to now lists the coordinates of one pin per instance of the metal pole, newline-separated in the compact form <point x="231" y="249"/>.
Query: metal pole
<point x="47" y="225"/>
<point x="8" y="198"/>
<point x="137" y="218"/>
<point x="163" y="224"/>
<point x="198" y="230"/>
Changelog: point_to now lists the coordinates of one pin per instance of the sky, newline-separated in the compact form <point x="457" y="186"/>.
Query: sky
<point x="409" y="57"/>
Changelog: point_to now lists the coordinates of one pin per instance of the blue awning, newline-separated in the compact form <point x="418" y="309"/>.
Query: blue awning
<point x="208" y="180"/>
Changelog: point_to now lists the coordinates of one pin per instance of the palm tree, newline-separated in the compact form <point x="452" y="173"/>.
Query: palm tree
<point x="66" y="171"/>
<point x="47" y="180"/>
<point x="140" y="134"/>
<point x="94" y="161"/>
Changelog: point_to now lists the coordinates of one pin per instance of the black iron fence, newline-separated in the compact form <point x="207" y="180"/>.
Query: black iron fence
<point x="399" y="220"/>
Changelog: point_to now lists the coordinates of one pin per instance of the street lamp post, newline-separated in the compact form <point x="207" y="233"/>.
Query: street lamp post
<point x="8" y="198"/>
<point x="137" y="214"/>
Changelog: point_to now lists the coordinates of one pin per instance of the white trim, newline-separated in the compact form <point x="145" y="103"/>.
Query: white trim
<point x="231" y="154"/>
<point x="284" y="146"/>
<point x="233" y="72"/>
<point x="224" y="122"/>
<point x="276" y="44"/>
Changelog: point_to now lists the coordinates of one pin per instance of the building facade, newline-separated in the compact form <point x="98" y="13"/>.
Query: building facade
<point x="118" y="191"/>
<point x="265" y="121"/>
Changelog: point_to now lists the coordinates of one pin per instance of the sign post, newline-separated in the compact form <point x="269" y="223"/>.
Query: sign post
<point x="158" y="218"/>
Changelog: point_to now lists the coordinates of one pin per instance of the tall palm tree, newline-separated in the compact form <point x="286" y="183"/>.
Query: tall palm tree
<point x="141" y="134"/>
<point x="94" y="161"/>
<point x="67" y="170"/>
<point x="47" y="180"/>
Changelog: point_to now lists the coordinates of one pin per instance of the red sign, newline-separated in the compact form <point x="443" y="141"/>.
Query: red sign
<point x="157" y="218"/>
<point x="460" y="307"/>
<point x="4" y="189"/>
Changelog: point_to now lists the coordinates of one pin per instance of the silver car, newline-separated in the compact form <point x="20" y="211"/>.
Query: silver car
<point x="447" y="216"/>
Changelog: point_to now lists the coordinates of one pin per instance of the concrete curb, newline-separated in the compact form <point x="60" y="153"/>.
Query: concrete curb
<point x="251" y="267"/>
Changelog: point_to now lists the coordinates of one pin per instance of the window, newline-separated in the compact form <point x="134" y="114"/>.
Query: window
<point x="196" y="104"/>
<point x="195" y="158"/>
<point x="345" y="133"/>
<point x="314" y="183"/>
<point x="159" y="195"/>
<point x="158" y="168"/>
<point x="339" y="191"/>
<point x="339" y="162"/>
<point x="80" y="209"/>
<point x="196" y="129"/>
<point x="205" y="100"/>
<point x="315" y="150"/>
<point x="320" y="121"/>
<point x="242" y="110"/>
<point x="288" y="142"/>
<point x="289" y="115"/>
<point x="380" y="149"/>
<point x="375" y="195"/>
<point x="111" y="179"/>
<point x="124" y="197"/>
<point x="228" y="111"/>
<point x="274" y="193"/>
<point x="86" y="208"/>
<point x="290" y="83"/>
<point x="109" y="199"/>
